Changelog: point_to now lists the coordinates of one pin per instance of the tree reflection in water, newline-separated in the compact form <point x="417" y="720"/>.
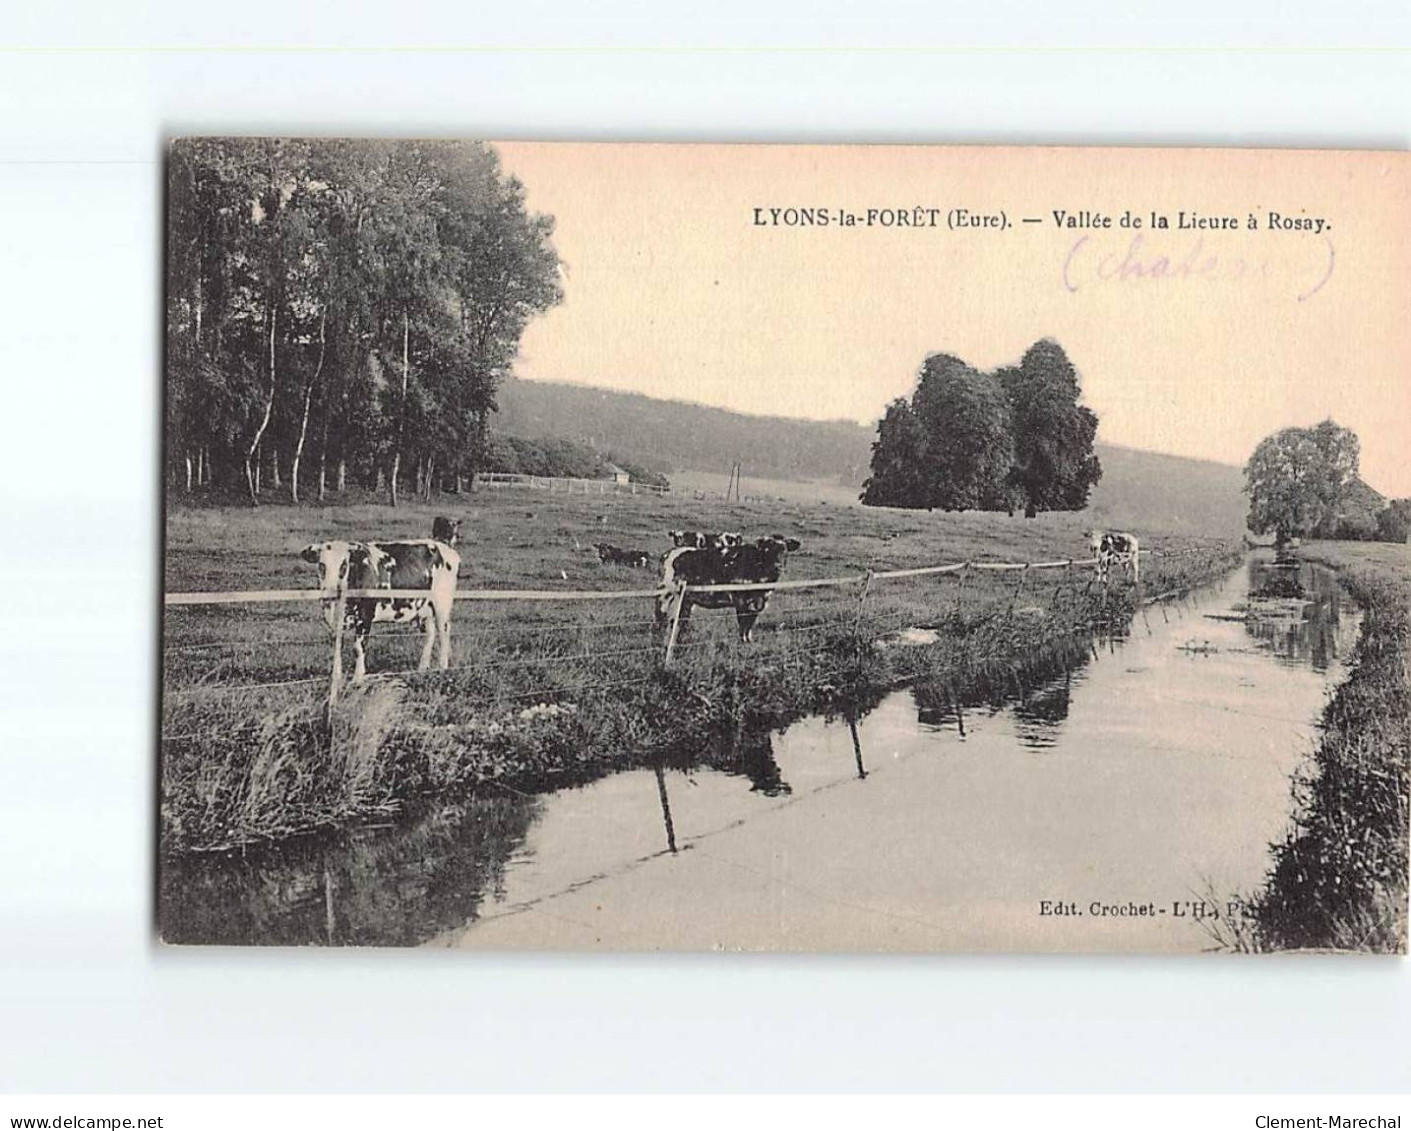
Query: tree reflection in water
<point x="1037" y="696"/>
<point x="1296" y="612"/>
<point x="395" y="886"/>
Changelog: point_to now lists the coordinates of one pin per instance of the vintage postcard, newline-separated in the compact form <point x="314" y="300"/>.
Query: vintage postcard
<point x="787" y="548"/>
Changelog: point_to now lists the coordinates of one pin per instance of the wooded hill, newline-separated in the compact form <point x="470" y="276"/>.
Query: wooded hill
<point x="1140" y="489"/>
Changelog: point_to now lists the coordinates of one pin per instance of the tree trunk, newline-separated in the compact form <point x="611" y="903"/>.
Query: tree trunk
<point x="460" y="483"/>
<point x="188" y="473"/>
<point x="200" y="467"/>
<point x="402" y="424"/>
<point x="274" y="466"/>
<point x="252" y="477"/>
<point x="304" y="423"/>
<point x="259" y="464"/>
<point x="342" y="475"/>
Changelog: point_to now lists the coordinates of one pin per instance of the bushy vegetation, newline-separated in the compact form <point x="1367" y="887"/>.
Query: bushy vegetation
<point x="1339" y="881"/>
<point x="971" y="440"/>
<point x="558" y="456"/>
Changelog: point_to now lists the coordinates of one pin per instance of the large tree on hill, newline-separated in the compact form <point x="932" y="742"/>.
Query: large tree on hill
<point x="1297" y="479"/>
<point x="898" y="460"/>
<point x="1054" y="466"/>
<point x="970" y="440"/>
<point x="966" y="420"/>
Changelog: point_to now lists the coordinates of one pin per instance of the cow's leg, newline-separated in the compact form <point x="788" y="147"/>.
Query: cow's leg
<point x="747" y="612"/>
<point x="359" y="654"/>
<point x="428" y="626"/>
<point x="441" y="610"/>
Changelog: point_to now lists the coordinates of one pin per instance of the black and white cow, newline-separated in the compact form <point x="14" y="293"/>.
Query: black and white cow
<point x="423" y="564"/>
<point x="702" y="540"/>
<point x="447" y="531"/>
<point x="614" y="555"/>
<point x="758" y="561"/>
<point x="1110" y="546"/>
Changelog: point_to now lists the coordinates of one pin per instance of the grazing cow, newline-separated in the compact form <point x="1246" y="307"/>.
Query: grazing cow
<point x="447" y="531"/>
<point x="612" y="555"/>
<point x="1116" y="546"/>
<point x="701" y="540"/>
<point x="758" y="561"/>
<point x="424" y="564"/>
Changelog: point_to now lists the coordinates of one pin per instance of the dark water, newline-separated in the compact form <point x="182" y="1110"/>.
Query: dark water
<point x="1149" y="767"/>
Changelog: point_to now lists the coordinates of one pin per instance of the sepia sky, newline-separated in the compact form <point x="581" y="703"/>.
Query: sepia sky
<point x="1197" y="342"/>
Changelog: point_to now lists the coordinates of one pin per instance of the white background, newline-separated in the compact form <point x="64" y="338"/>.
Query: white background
<point x="87" y="94"/>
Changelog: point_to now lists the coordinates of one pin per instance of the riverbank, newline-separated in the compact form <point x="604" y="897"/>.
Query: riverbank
<point x="540" y="698"/>
<point x="1339" y="880"/>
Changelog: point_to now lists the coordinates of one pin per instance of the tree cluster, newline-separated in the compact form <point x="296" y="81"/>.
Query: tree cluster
<point x="974" y="440"/>
<point x="349" y="306"/>
<point x="556" y="456"/>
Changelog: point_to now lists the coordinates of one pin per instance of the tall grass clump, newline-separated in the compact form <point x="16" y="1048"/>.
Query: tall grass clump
<point x="1339" y="880"/>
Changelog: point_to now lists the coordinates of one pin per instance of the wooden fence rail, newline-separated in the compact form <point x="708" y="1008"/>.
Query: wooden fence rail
<point x="678" y="593"/>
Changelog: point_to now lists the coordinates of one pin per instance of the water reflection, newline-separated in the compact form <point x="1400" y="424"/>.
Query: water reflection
<point x="435" y="872"/>
<point x="1296" y="611"/>
<point x="1037" y="697"/>
<point x="748" y="750"/>
<point x="395" y="886"/>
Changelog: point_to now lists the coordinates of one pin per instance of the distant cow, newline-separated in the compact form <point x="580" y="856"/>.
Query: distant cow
<point x="447" y="530"/>
<point x="613" y="555"/>
<point x="758" y="561"/>
<point x="1110" y="546"/>
<point x="425" y="564"/>
<point x="701" y="540"/>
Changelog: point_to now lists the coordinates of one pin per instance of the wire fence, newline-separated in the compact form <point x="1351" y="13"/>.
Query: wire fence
<point x="804" y="609"/>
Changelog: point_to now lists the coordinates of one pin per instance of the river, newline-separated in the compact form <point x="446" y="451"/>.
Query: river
<point x="1116" y="806"/>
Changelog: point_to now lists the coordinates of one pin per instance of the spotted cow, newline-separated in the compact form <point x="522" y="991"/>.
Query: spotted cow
<point x="702" y="540"/>
<point x="1111" y="546"/>
<point x="423" y="564"/>
<point x="446" y="531"/>
<point x="758" y="561"/>
<point x="614" y="555"/>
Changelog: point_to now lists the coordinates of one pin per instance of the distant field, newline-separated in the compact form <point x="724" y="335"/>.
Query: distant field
<point x="517" y="538"/>
<point x="1387" y="557"/>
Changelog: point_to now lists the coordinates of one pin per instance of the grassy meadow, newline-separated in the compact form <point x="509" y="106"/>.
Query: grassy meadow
<point x="545" y="694"/>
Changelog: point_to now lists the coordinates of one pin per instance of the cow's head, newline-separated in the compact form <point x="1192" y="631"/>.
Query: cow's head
<point x="780" y="542"/>
<point x="332" y="560"/>
<point x="669" y="580"/>
<point x="730" y="540"/>
<point x="447" y="531"/>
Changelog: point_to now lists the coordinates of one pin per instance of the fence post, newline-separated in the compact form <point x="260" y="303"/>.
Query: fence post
<point x="676" y="607"/>
<point x="861" y="598"/>
<point x="340" y="609"/>
<point x="1019" y="588"/>
<point x="665" y="806"/>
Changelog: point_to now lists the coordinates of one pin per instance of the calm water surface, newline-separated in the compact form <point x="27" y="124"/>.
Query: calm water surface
<point x="1152" y="774"/>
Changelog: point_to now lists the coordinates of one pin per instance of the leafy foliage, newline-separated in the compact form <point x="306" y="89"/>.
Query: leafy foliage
<point x="970" y="440"/>
<point x="1297" y="480"/>
<point x="358" y="300"/>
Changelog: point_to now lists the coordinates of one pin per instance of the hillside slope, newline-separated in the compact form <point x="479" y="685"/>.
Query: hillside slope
<point x="1138" y="489"/>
